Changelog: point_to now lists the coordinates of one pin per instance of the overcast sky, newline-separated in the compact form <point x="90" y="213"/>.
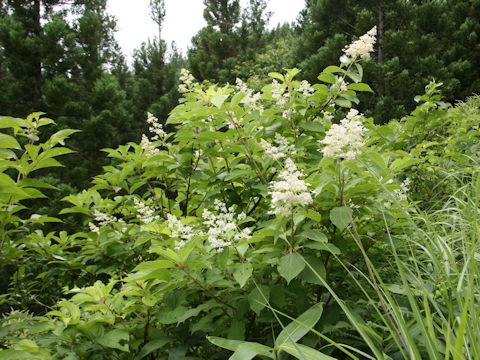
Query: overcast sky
<point x="183" y="19"/>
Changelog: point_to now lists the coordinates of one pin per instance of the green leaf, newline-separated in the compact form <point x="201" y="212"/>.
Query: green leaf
<point x="343" y="102"/>
<point x="154" y="265"/>
<point x="339" y="217"/>
<point x="290" y="266"/>
<point x="258" y="298"/>
<point x="9" y="122"/>
<point x="400" y="164"/>
<point x="113" y="339"/>
<point x="219" y="100"/>
<point x="151" y="346"/>
<point x="308" y="275"/>
<point x="248" y="350"/>
<point x="73" y="311"/>
<point x="8" y="142"/>
<point x="333" y="69"/>
<point x="327" y="77"/>
<point x="211" y="136"/>
<point x="313" y="126"/>
<point x="228" y="344"/>
<point x="242" y="272"/>
<point x="360" y="87"/>
<point x="276" y="75"/>
<point x="301" y="326"/>
<point x="316" y="235"/>
<point x="60" y="136"/>
<point x="303" y="352"/>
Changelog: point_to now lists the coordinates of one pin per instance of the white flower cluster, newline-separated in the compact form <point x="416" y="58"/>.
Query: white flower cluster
<point x="187" y="79"/>
<point x="327" y="115"/>
<point x="102" y="219"/>
<point x="180" y="231"/>
<point x="341" y="84"/>
<point x="282" y="149"/>
<point x="250" y="99"/>
<point x="155" y="127"/>
<point x="148" y="147"/>
<point x="344" y="140"/>
<point x="404" y="189"/>
<point x="289" y="191"/>
<point x="361" y="47"/>
<point x="306" y="89"/>
<point x="232" y="121"/>
<point x="146" y="213"/>
<point x="198" y="154"/>
<point x="279" y="95"/>
<point x="222" y="226"/>
<point x="287" y="114"/>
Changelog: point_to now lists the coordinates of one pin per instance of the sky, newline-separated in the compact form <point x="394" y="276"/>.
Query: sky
<point x="183" y="20"/>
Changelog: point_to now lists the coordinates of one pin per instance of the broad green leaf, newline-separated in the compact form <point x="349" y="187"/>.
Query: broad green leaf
<point x="290" y="265"/>
<point x="116" y="339"/>
<point x="242" y="272"/>
<point x="309" y="275"/>
<point x="303" y="352"/>
<point x="327" y="77"/>
<point x="73" y="311"/>
<point x="219" y="100"/>
<point x="333" y="69"/>
<point x="8" y="142"/>
<point x="159" y="274"/>
<point x="211" y="136"/>
<point x="9" y="122"/>
<point x="258" y="298"/>
<point x="360" y="87"/>
<point x="316" y="235"/>
<point x="60" y="136"/>
<point x="313" y="126"/>
<point x="339" y="217"/>
<point x="276" y="75"/>
<point x="400" y="164"/>
<point x="154" y="265"/>
<point x="301" y="326"/>
<point x="152" y="346"/>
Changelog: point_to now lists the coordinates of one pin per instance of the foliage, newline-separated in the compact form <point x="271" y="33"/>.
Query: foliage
<point x="277" y="224"/>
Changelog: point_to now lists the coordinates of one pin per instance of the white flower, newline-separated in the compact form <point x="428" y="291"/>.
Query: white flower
<point x="404" y="189"/>
<point x="94" y="228"/>
<point x="148" y="147"/>
<point x="306" y="89"/>
<point x="289" y="191"/>
<point x="187" y="79"/>
<point x="250" y="99"/>
<point x="282" y="149"/>
<point x="278" y="94"/>
<point x="155" y="127"/>
<point x="344" y="140"/>
<point x="222" y="226"/>
<point x="361" y="47"/>
<point x="146" y="213"/>
<point x="287" y="114"/>
<point x="102" y="219"/>
<point x="180" y="231"/>
<point x="327" y="115"/>
<point x="341" y="84"/>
